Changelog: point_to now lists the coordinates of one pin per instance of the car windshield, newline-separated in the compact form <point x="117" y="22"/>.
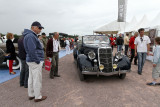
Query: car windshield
<point x="98" y="39"/>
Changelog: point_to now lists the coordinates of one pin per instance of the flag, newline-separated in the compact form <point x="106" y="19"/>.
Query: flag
<point x="122" y="8"/>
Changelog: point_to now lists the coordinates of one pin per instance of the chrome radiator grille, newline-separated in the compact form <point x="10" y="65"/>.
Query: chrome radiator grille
<point x="105" y="58"/>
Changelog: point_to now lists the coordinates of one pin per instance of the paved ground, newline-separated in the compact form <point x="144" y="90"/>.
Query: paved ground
<point x="69" y="91"/>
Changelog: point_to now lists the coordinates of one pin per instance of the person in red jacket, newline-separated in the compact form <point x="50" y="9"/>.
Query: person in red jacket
<point x="132" y="46"/>
<point x="112" y="41"/>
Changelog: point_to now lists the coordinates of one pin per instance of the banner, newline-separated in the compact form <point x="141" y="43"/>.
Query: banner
<point x="122" y="7"/>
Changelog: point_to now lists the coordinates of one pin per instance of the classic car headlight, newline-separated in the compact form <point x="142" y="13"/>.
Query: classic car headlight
<point x="95" y="60"/>
<point x="119" y="55"/>
<point x="116" y="59"/>
<point x="91" y="55"/>
<point x="101" y="67"/>
<point x="114" y="66"/>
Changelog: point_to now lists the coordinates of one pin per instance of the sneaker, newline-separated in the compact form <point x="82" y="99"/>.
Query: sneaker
<point x="151" y="84"/>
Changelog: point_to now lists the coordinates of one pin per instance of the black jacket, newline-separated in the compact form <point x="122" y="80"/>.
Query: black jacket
<point x="21" y="50"/>
<point x="10" y="49"/>
<point x="120" y="41"/>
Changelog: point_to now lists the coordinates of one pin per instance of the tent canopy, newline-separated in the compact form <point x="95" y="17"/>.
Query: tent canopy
<point x="111" y="28"/>
<point x="155" y="22"/>
<point x="121" y="27"/>
<point x="131" y="24"/>
<point x="143" y="23"/>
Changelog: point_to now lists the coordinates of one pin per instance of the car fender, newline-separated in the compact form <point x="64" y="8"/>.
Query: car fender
<point x="124" y="63"/>
<point x="83" y="61"/>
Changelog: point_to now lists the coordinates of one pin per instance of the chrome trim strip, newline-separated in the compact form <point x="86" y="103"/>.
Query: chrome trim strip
<point x="105" y="74"/>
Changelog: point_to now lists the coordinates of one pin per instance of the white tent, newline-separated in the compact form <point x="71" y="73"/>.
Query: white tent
<point x="113" y="27"/>
<point x="131" y="24"/>
<point x="143" y="23"/>
<point x="155" y="22"/>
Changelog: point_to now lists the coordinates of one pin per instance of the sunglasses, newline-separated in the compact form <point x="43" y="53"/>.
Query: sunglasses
<point x="141" y="39"/>
<point x="39" y="28"/>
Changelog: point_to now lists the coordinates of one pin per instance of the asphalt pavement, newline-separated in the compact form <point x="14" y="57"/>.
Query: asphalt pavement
<point x="69" y="91"/>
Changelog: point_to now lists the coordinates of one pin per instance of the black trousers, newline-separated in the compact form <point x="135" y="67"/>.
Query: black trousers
<point x="126" y="49"/>
<point x="133" y="56"/>
<point x="24" y="73"/>
<point x="112" y="47"/>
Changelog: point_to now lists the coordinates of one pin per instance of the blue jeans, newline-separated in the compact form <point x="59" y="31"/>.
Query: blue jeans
<point x="119" y="48"/>
<point x="141" y="60"/>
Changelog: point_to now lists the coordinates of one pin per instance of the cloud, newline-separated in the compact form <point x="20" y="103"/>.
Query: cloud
<point x="68" y="16"/>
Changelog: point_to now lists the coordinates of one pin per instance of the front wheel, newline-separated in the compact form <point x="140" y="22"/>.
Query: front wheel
<point x="81" y="76"/>
<point x="122" y="76"/>
<point x="16" y="63"/>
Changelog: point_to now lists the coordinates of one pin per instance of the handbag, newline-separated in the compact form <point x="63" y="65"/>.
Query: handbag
<point x="48" y="64"/>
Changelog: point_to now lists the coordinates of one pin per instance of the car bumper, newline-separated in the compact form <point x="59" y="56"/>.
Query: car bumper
<point x="105" y="73"/>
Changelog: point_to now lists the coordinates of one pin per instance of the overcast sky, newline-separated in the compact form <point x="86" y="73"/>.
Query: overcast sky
<point x="69" y="16"/>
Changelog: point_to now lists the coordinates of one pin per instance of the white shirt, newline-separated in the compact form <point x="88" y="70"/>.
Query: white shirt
<point x="67" y="42"/>
<point x="55" y="45"/>
<point x="142" y="45"/>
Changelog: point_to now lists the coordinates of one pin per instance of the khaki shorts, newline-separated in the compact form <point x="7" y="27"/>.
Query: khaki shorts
<point x="156" y="72"/>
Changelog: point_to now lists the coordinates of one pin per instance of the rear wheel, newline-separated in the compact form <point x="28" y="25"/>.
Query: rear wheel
<point x="122" y="76"/>
<point x="16" y="63"/>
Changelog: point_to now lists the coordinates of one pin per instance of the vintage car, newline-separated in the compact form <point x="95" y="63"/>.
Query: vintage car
<point x="3" y="60"/>
<point x="93" y="56"/>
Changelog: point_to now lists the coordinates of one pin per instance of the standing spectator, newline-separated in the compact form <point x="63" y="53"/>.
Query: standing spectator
<point x="112" y="41"/>
<point x="132" y="46"/>
<point x="76" y="39"/>
<point x="156" y="62"/>
<point x="24" y="67"/>
<point x="44" y="40"/>
<point x="71" y="44"/>
<point x="63" y="43"/>
<point x="52" y="51"/>
<point x="11" y="55"/>
<point x="67" y="46"/>
<point x="120" y="42"/>
<point x="126" y="43"/>
<point x="142" y="48"/>
<point x="40" y="39"/>
<point x="35" y="59"/>
<point x="115" y="39"/>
